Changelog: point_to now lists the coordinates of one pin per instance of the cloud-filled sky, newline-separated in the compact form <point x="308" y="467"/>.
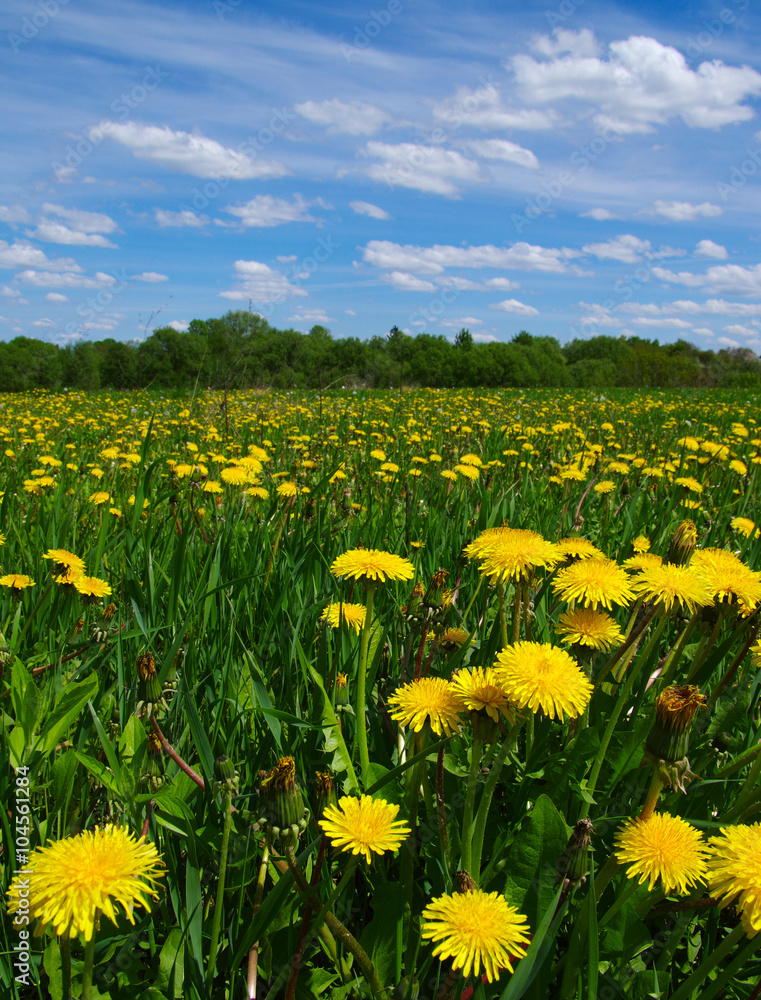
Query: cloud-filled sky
<point x="570" y="167"/>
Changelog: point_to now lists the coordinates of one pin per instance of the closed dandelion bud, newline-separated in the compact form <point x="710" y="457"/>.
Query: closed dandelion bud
<point x="682" y="544"/>
<point x="282" y="809"/>
<point x="574" y="862"/>
<point x="149" y="685"/>
<point x="667" y="745"/>
<point x="414" y="610"/>
<point x="108" y="612"/>
<point x="154" y="768"/>
<point x="342" y="691"/>
<point x="408" y="989"/>
<point x="434" y="596"/>
<point x="326" y="792"/>
<point x="484" y="727"/>
<point x="225" y="774"/>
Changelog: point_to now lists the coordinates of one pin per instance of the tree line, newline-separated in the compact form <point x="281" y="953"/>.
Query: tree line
<point x="241" y="350"/>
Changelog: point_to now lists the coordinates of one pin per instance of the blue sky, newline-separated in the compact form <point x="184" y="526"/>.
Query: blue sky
<point x="569" y="167"/>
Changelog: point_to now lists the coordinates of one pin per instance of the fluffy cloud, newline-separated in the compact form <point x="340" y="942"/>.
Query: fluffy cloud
<point x="423" y="168"/>
<point x="433" y="260"/>
<point x="49" y="231"/>
<point x="264" y="285"/>
<point x="23" y="254"/>
<point x="187" y="153"/>
<point x="628" y="249"/>
<point x="515" y="307"/>
<point x="664" y="323"/>
<point x="56" y="297"/>
<point x="501" y="149"/>
<point x="366" y="208"/>
<point x="640" y="84"/>
<point x="49" y="279"/>
<point x="179" y="325"/>
<point x="482" y="109"/>
<point x="264" y="211"/>
<point x="354" y="118"/>
<point x="310" y="316"/>
<point x="14" y="213"/>
<point x="599" y="215"/>
<point x="151" y="277"/>
<point x="180" y="219"/>
<point x="722" y="279"/>
<point x="404" y="282"/>
<point x="683" y="211"/>
<point x="707" y="248"/>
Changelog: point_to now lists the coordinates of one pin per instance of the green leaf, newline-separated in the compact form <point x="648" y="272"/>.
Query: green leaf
<point x="625" y="935"/>
<point x="32" y="707"/>
<point x="68" y="706"/>
<point x="101" y="772"/>
<point x="171" y="962"/>
<point x="541" y="942"/>
<point x="16" y="745"/>
<point x="63" y="771"/>
<point x="51" y="963"/>
<point x="532" y="860"/>
<point x="379" y="936"/>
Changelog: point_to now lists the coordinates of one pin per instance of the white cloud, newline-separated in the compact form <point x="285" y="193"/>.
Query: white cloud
<point x="433" y="260"/>
<point x="598" y="315"/>
<point x="56" y="232"/>
<point x="264" y="211"/>
<point x="354" y="118"/>
<point x="366" y="208"/>
<point x="178" y="219"/>
<point x="264" y="285"/>
<point x="702" y="331"/>
<point x="310" y="316"/>
<point x="423" y="168"/>
<point x="187" y="153"/>
<point x="707" y="248"/>
<point x="666" y="323"/>
<point x="56" y="297"/>
<point x="684" y="211"/>
<point x="722" y="279"/>
<point x="14" y="213"/>
<point x="627" y="248"/>
<point x="83" y="222"/>
<point x="179" y="325"/>
<point x="599" y="215"/>
<point x="737" y="330"/>
<point x="44" y="322"/>
<point x="688" y="307"/>
<point x="404" y="282"/>
<point x="503" y="284"/>
<point x="151" y="277"/>
<point x="482" y="109"/>
<point x="515" y="307"/>
<point x="640" y="84"/>
<point x="501" y="149"/>
<point x="575" y="43"/>
<point x="23" y="254"/>
<point x="10" y="293"/>
<point x="48" y="279"/>
<point x="727" y="342"/>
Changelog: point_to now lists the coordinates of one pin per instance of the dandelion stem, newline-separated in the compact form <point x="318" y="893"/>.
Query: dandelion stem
<point x="630" y="641"/>
<point x="476" y="755"/>
<point x="66" y="967"/>
<point x="652" y="798"/>
<point x="253" y="955"/>
<point x="220" y="898"/>
<point x="488" y="793"/>
<point x="672" y="660"/>
<point x="88" y="969"/>
<point x="517" y="612"/>
<point x="361" y="709"/>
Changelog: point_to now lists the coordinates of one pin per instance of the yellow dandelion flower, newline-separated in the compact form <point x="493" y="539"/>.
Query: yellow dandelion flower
<point x="604" y="486"/>
<point x="449" y="474"/>
<point x="469" y="471"/>
<point x="689" y="483"/>
<point x="512" y="554"/>
<point x="727" y="577"/>
<point x="99" y="498"/>
<point x="390" y="467"/>
<point x="745" y="526"/>
<point x="16" y="582"/>
<point x="64" y="560"/>
<point x="258" y="492"/>
<point x="734" y="872"/>
<point x="453" y="638"/>
<point x="235" y="475"/>
<point x="372" y="565"/>
<point x="428" y="699"/>
<point x="212" y="486"/>
<point x="378" y="454"/>
<point x="662" y="847"/>
<point x="91" y="587"/>
<point x="543" y="678"/>
<point x="670" y="584"/>
<point x="643" y="560"/>
<point x="476" y="929"/>
<point x="739" y="467"/>
<point x="364" y="826"/>
<point x="352" y="615"/>
<point x="578" y="548"/>
<point x="594" y="582"/>
<point x="590" y="627"/>
<point x="287" y="489"/>
<point x="75" y="880"/>
<point x="641" y="544"/>
<point x="480" y="691"/>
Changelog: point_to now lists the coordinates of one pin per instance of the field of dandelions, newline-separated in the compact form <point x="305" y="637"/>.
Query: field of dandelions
<point x="418" y="695"/>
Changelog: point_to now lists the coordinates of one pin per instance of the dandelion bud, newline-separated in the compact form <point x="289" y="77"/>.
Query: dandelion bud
<point x="408" y="989"/>
<point x="436" y="593"/>
<point x="342" y="691"/>
<point x="326" y="792"/>
<point x="149" y="685"/>
<point x="682" y="544"/>
<point x="667" y="744"/>
<point x="282" y="809"/>
<point x="464" y="881"/>
<point x="414" y="610"/>
<point x="225" y="774"/>
<point x="574" y="861"/>
<point x="154" y="768"/>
